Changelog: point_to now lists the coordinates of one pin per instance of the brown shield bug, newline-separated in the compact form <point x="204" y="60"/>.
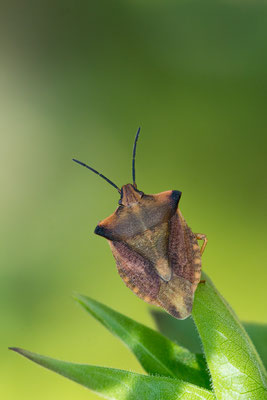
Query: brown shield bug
<point x="157" y="254"/>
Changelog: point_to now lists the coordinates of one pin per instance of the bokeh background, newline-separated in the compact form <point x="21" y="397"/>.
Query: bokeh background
<point x="77" y="79"/>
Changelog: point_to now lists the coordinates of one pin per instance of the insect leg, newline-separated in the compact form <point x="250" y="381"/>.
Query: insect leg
<point x="201" y="236"/>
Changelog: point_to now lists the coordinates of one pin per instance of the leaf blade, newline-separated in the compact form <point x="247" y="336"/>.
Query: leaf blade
<point x="183" y="332"/>
<point x="258" y="334"/>
<point x="156" y="353"/>
<point x="236" y="369"/>
<point x="121" y="385"/>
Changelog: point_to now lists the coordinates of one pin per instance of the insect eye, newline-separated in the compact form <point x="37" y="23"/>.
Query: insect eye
<point x="120" y="202"/>
<point x="139" y="191"/>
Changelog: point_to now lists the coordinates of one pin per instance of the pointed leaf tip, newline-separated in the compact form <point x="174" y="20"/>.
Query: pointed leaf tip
<point x="114" y="384"/>
<point x="17" y="349"/>
<point x="22" y="352"/>
<point x="75" y="295"/>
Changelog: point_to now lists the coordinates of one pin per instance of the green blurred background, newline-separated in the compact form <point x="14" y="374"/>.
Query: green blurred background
<point x="77" y="79"/>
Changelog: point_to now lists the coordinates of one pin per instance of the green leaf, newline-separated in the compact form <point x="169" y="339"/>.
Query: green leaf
<point x="258" y="335"/>
<point x="183" y="332"/>
<point x="121" y="385"/>
<point x="156" y="353"/>
<point x="236" y="369"/>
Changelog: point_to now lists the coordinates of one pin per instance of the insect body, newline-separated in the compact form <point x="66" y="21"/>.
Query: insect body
<point x="156" y="253"/>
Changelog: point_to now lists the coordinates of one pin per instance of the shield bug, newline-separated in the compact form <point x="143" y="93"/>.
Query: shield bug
<point x="156" y="253"/>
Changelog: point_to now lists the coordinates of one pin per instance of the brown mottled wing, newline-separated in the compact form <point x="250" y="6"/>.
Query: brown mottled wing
<point x="177" y="295"/>
<point x="136" y="271"/>
<point x="157" y="254"/>
<point x="183" y="249"/>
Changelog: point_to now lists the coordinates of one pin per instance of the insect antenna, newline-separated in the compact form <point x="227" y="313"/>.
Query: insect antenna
<point x="96" y="172"/>
<point x="134" y="152"/>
